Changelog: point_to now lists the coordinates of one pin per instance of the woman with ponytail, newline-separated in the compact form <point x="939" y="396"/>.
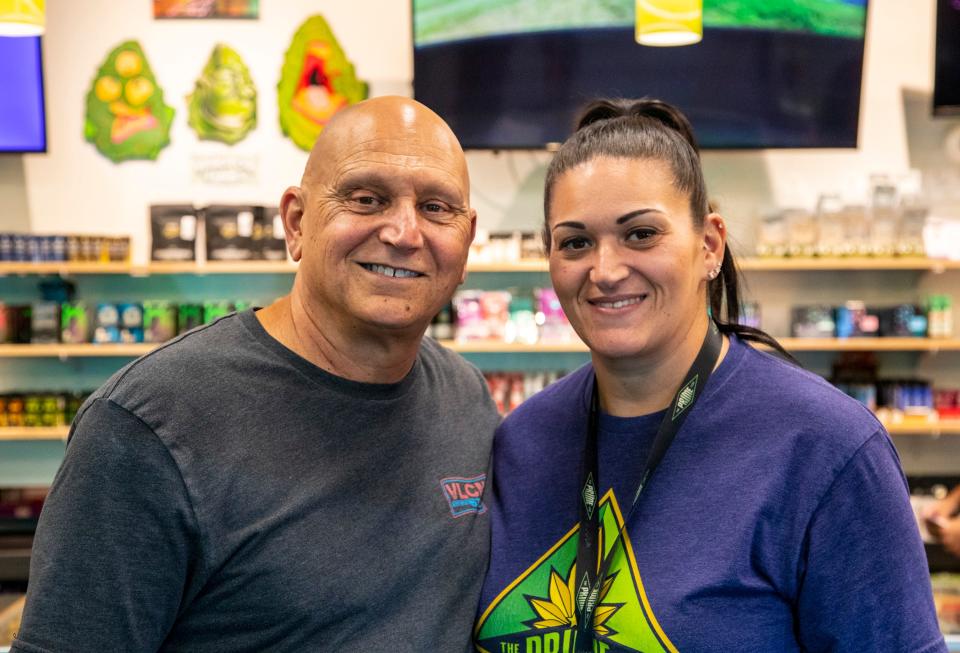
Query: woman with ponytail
<point x="685" y="491"/>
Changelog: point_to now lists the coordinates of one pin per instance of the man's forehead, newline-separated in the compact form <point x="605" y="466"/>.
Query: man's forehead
<point x="404" y="153"/>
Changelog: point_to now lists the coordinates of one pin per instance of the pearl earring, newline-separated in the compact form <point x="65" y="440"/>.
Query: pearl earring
<point x="715" y="272"/>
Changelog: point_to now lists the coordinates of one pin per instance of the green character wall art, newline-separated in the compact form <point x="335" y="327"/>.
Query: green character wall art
<point x="317" y="80"/>
<point x="126" y="117"/>
<point x="223" y="105"/>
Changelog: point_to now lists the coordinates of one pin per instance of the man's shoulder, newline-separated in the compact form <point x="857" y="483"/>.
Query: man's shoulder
<point x="189" y="361"/>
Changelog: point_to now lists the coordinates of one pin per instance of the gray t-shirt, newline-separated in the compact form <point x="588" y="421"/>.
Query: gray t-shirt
<point x="224" y="494"/>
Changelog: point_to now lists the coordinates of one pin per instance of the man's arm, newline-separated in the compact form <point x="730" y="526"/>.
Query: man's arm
<point x="116" y="544"/>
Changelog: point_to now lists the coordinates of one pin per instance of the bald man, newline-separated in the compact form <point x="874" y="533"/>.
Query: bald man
<point x="305" y="477"/>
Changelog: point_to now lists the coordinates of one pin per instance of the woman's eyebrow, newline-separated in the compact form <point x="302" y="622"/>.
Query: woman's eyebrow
<point x="626" y="217"/>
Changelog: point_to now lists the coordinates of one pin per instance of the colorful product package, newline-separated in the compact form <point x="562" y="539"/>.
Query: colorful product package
<point x="214" y="309"/>
<point x="106" y="324"/>
<point x="159" y="321"/>
<point x="189" y="316"/>
<point x="131" y="322"/>
<point x="76" y="323"/>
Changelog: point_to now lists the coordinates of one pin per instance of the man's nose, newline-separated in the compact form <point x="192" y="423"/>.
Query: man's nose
<point x="402" y="228"/>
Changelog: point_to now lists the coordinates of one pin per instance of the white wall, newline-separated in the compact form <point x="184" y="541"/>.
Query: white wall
<point x="74" y="188"/>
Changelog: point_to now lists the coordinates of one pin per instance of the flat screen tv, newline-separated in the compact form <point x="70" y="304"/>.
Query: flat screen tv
<point x="22" y="121"/>
<point x="946" y="76"/>
<point x="767" y="73"/>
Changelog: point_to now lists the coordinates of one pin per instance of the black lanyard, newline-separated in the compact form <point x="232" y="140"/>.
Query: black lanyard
<point x="588" y="557"/>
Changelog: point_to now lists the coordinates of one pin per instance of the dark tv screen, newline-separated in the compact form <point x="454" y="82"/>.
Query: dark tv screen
<point x="22" y="121"/>
<point x="946" y="76"/>
<point x="767" y="73"/>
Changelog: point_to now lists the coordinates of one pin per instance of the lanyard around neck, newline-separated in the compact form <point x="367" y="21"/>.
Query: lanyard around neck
<point x="592" y="567"/>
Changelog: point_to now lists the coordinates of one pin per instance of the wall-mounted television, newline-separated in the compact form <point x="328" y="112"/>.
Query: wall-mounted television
<point x="946" y="76"/>
<point x="23" y="125"/>
<point x="767" y="74"/>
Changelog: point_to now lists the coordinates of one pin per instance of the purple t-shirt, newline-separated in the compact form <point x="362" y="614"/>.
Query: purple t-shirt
<point x="779" y="520"/>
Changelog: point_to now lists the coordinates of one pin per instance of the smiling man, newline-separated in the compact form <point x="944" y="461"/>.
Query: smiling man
<point x="305" y="477"/>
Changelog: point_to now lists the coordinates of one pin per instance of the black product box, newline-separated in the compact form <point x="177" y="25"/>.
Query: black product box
<point x="189" y="316"/>
<point x="17" y="319"/>
<point x="45" y="323"/>
<point x="229" y="232"/>
<point x="159" y="321"/>
<point x="269" y="235"/>
<point x="812" y="322"/>
<point x="173" y="228"/>
<point x="903" y="321"/>
<point x="131" y="322"/>
<point x="76" y="322"/>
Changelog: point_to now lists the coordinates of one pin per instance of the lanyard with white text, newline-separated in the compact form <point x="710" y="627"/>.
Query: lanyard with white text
<point x="589" y="558"/>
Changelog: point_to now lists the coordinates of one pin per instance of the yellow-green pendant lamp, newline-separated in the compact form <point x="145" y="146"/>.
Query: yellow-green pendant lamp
<point x="22" y="17"/>
<point x="664" y="23"/>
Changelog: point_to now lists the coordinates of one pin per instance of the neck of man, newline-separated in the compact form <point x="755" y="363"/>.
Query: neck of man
<point x="346" y="351"/>
<point x="640" y="385"/>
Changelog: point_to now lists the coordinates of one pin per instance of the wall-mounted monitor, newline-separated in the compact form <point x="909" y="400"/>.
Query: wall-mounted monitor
<point x="22" y="118"/>
<point x="767" y="74"/>
<point x="946" y="76"/>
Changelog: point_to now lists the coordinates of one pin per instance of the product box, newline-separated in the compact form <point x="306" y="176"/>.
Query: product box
<point x="189" y="316"/>
<point x="106" y="324"/>
<point x="903" y="321"/>
<point x="229" y="232"/>
<point x="131" y="322"/>
<point x="269" y="237"/>
<point x="45" y="323"/>
<point x="173" y="228"/>
<point x="18" y="319"/>
<point x="213" y="310"/>
<point x="76" y="322"/>
<point x="159" y="321"/>
<point x="812" y="322"/>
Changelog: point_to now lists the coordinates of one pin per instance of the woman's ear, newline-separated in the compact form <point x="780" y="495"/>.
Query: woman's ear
<point x="714" y="244"/>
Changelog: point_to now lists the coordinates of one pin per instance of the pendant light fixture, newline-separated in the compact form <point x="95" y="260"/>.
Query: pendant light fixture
<point x="22" y="17"/>
<point x="664" y="23"/>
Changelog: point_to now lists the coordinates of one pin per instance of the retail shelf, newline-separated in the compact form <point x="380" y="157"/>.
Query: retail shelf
<point x="80" y="350"/>
<point x="526" y="265"/>
<point x="870" y="344"/>
<point x="847" y="263"/>
<point x="499" y="347"/>
<point x="496" y="346"/>
<point x="34" y="432"/>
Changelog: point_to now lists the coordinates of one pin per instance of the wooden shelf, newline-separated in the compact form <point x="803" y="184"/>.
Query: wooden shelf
<point x="81" y="351"/>
<point x="847" y="263"/>
<point x="498" y="347"/>
<point x="908" y="428"/>
<point x="33" y="433"/>
<point x="531" y="265"/>
<point x="870" y="344"/>
<point x="922" y="427"/>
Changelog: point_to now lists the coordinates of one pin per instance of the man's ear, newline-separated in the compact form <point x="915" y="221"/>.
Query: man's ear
<point x="473" y="234"/>
<point x="291" y="211"/>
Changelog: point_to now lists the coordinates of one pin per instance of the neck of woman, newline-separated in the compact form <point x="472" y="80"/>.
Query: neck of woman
<point x="644" y="384"/>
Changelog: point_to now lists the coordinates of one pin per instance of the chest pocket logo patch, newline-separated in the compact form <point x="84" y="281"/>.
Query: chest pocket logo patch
<point x="464" y="495"/>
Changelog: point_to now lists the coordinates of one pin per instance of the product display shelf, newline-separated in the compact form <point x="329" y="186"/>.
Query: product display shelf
<point x="909" y="427"/>
<point x="28" y="433"/>
<point x="525" y="265"/>
<point x="853" y="263"/>
<point x="498" y="347"/>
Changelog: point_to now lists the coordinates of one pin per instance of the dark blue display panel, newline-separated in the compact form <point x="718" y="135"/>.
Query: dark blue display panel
<point x="754" y="82"/>
<point x="22" y="120"/>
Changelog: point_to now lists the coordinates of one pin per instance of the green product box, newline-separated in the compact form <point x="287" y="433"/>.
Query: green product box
<point x="76" y="325"/>
<point x="213" y="310"/>
<point x="159" y="321"/>
<point x="189" y="316"/>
